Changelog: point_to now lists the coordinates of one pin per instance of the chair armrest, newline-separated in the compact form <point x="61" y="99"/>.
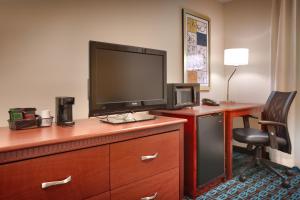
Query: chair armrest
<point x="272" y="135"/>
<point x="272" y="123"/>
<point x="273" y="140"/>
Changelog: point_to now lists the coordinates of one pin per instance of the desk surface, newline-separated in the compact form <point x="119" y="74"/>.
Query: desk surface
<point x="206" y="110"/>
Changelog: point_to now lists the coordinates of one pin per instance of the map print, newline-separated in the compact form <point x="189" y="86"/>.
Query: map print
<point x="196" y="63"/>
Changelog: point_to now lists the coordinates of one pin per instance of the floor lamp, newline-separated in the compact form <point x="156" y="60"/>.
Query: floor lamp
<point x="235" y="57"/>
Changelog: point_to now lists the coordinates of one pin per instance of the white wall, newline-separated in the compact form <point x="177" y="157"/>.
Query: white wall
<point x="44" y="45"/>
<point x="247" y="25"/>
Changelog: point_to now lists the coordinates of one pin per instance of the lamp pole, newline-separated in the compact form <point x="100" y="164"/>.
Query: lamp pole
<point x="235" y="68"/>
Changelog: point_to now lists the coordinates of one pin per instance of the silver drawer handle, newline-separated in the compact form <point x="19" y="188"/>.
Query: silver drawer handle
<point x="53" y="183"/>
<point x="151" y="197"/>
<point x="150" y="157"/>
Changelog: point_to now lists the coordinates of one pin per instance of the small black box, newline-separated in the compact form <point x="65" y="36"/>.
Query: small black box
<point x="182" y="95"/>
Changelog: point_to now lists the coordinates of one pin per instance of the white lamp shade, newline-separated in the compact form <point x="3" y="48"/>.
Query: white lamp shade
<point x="236" y="57"/>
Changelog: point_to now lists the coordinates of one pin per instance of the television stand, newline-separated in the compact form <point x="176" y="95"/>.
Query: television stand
<point x="127" y="118"/>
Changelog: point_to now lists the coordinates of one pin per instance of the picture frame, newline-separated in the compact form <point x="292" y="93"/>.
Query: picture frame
<point x="196" y="48"/>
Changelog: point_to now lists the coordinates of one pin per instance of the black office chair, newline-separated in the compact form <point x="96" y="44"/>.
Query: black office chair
<point x="274" y="132"/>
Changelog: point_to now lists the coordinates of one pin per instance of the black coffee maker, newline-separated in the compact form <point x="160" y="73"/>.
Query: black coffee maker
<point x="64" y="115"/>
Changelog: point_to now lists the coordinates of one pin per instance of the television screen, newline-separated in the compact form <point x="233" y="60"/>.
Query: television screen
<point x="125" y="78"/>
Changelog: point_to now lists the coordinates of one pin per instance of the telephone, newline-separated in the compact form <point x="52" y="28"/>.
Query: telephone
<point x="209" y="102"/>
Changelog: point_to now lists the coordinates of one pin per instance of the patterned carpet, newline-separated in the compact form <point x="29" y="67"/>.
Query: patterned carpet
<point x="260" y="184"/>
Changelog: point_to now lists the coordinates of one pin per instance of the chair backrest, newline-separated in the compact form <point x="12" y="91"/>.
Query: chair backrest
<point x="276" y="109"/>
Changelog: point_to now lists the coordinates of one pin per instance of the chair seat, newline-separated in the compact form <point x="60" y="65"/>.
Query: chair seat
<point x="254" y="136"/>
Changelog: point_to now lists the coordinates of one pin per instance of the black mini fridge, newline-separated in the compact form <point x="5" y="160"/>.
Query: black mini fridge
<point x="210" y="148"/>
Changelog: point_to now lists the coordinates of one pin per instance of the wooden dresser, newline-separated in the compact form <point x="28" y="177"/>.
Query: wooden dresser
<point x="94" y="161"/>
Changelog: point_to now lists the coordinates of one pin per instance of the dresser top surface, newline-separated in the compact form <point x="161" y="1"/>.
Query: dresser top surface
<point x="83" y="129"/>
<point x="206" y="110"/>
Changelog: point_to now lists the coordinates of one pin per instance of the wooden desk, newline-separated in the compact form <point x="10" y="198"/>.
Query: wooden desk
<point x="229" y="111"/>
<point x="95" y="160"/>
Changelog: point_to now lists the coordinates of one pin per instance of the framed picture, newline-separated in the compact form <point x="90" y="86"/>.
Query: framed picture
<point x="196" y="49"/>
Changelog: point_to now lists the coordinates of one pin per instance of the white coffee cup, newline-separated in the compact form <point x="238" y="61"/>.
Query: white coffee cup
<point x="45" y="122"/>
<point x="45" y="114"/>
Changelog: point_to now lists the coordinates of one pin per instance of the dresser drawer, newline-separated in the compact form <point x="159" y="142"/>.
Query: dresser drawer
<point x="144" y="157"/>
<point x="85" y="173"/>
<point x="164" y="186"/>
<point x="104" y="196"/>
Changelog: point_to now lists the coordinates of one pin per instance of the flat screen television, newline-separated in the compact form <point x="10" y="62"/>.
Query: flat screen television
<point x="125" y="79"/>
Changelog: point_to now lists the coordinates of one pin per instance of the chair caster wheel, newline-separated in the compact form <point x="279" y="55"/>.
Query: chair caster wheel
<point x="285" y="184"/>
<point x="242" y="178"/>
